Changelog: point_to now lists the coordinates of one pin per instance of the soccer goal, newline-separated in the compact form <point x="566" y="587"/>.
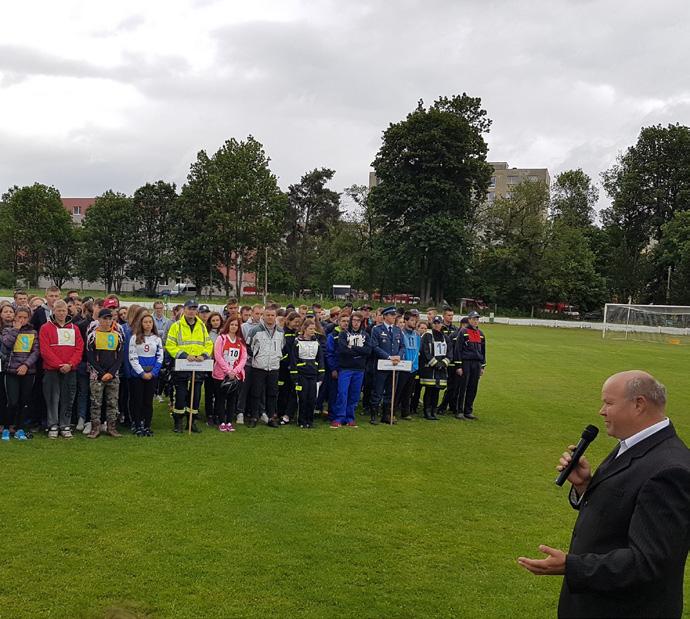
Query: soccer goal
<point x="667" y="324"/>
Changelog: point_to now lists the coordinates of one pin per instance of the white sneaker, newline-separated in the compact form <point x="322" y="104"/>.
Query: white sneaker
<point x="80" y="425"/>
<point x="53" y="432"/>
<point x="87" y="428"/>
<point x="264" y="418"/>
<point x="240" y="419"/>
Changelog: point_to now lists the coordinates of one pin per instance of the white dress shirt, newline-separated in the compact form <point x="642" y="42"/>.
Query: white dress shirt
<point x="641" y="435"/>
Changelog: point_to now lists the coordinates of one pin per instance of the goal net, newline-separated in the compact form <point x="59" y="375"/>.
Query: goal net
<point x="668" y="324"/>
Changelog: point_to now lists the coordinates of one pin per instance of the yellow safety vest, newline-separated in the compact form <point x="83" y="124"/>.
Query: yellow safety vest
<point x="191" y="340"/>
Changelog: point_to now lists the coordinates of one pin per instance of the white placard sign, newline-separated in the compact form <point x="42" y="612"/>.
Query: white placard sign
<point x="184" y="365"/>
<point x="387" y="366"/>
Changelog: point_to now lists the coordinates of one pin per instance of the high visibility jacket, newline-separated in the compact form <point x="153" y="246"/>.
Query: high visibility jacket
<point x="184" y="340"/>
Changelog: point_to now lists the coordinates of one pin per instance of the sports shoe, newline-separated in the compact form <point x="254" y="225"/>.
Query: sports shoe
<point x="148" y="432"/>
<point x="87" y="428"/>
<point x="53" y="432"/>
<point x="240" y="419"/>
<point x="222" y="427"/>
<point x="335" y="425"/>
<point x="80" y="425"/>
<point x="264" y="418"/>
<point x="229" y="428"/>
<point x="273" y="423"/>
<point x="285" y="420"/>
<point x="352" y="424"/>
<point x="5" y="435"/>
<point x="20" y="435"/>
<point x="66" y="432"/>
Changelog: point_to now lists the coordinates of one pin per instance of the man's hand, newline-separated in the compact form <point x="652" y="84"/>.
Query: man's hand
<point x="553" y="565"/>
<point x="65" y="368"/>
<point x="334" y="374"/>
<point x="21" y="370"/>
<point x="395" y="359"/>
<point x="459" y="371"/>
<point x="580" y="475"/>
<point x="147" y="376"/>
<point x="107" y="377"/>
<point x="482" y="372"/>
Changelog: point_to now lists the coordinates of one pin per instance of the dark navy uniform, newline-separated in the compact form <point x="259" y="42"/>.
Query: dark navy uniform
<point x="434" y="360"/>
<point x="470" y="355"/>
<point x="386" y="342"/>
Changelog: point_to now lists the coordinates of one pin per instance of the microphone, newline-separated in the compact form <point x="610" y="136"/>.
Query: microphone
<point x="588" y="435"/>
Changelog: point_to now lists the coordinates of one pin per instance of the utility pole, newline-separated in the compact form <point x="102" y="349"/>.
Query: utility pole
<point x="668" y="286"/>
<point x="265" y="274"/>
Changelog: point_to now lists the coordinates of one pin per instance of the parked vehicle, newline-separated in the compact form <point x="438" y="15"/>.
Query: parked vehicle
<point x="183" y="290"/>
<point x="565" y="309"/>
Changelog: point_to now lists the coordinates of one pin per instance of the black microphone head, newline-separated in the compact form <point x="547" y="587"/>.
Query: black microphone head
<point x="590" y="433"/>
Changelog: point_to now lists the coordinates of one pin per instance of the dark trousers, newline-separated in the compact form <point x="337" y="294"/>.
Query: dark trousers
<point x="264" y="393"/>
<point x="19" y="390"/>
<point x="332" y="393"/>
<point x="467" y="386"/>
<point x="183" y="382"/>
<point x="403" y="392"/>
<point x="306" y="391"/>
<point x="59" y="390"/>
<point x="369" y="376"/>
<point x="430" y="399"/>
<point x="416" y="394"/>
<point x="210" y="394"/>
<point x="82" y="400"/>
<point x="123" y="399"/>
<point x="244" y="405"/>
<point x="287" y="397"/>
<point x="3" y="400"/>
<point x="38" y="410"/>
<point x="382" y="392"/>
<point x="225" y="409"/>
<point x="142" y="392"/>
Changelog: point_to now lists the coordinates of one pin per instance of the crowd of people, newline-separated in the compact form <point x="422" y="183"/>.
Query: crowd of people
<point x="92" y="366"/>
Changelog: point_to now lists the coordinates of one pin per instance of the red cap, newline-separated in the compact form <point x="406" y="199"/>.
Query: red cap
<point x="111" y="303"/>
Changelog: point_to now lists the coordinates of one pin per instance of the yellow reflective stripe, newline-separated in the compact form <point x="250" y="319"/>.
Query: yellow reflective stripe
<point x="299" y="365"/>
<point x="298" y="387"/>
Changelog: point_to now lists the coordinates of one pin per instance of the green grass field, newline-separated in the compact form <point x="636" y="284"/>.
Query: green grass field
<point x="419" y="520"/>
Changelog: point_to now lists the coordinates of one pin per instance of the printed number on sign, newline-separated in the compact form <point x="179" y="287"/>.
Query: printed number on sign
<point x="231" y="354"/>
<point x="106" y="341"/>
<point x="23" y="343"/>
<point x="66" y="337"/>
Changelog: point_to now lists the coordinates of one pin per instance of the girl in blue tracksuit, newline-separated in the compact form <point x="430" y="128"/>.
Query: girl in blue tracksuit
<point x="146" y="360"/>
<point x="333" y="368"/>
<point x="354" y="348"/>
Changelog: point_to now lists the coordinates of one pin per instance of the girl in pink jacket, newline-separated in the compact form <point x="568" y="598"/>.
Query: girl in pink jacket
<point x="230" y="354"/>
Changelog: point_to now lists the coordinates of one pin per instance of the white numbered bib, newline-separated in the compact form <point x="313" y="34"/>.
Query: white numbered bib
<point x="66" y="337"/>
<point x="440" y="349"/>
<point x="231" y="354"/>
<point x="307" y="350"/>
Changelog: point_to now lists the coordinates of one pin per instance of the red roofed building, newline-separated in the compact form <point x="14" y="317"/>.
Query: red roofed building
<point x="77" y="207"/>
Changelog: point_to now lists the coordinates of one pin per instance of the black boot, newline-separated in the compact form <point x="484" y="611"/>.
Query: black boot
<point x="195" y="428"/>
<point x="177" y="418"/>
<point x="374" y="419"/>
<point x="427" y="414"/>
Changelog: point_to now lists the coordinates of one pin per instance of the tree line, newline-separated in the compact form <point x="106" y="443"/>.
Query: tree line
<point x="426" y="228"/>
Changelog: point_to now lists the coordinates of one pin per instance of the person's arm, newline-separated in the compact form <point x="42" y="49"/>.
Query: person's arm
<point x="172" y="344"/>
<point x="47" y="352"/>
<point x="218" y="355"/>
<point x="134" y="357"/>
<point x="92" y="355"/>
<point x="33" y="357"/>
<point x="483" y="351"/>
<point x="241" y="362"/>
<point x="659" y="525"/>
<point x="156" y="369"/>
<point x="321" y="366"/>
<point x="375" y="344"/>
<point x="78" y="351"/>
<point x="118" y="358"/>
<point x="9" y="337"/>
<point x="208" y="344"/>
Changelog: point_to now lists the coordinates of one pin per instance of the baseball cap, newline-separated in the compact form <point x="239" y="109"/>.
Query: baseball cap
<point x="191" y="303"/>
<point x="204" y="308"/>
<point x="110" y="303"/>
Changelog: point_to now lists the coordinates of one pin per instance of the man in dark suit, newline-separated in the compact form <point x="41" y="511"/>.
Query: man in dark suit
<point x="632" y="535"/>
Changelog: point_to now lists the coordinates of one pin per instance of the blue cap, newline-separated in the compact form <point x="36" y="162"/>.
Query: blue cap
<point x="473" y="314"/>
<point x="389" y="310"/>
<point x="191" y="303"/>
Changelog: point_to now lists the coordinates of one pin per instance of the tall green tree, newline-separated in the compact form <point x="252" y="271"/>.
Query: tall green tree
<point x="673" y="252"/>
<point x="648" y="185"/>
<point x="34" y="229"/>
<point x="433" y="175"/>
<point x="154" y="209"/>
<point x="312" y="208"/>
<point x="573" y="199"/>
<point x="233" y="204"/>
<point x="108" y="240"/>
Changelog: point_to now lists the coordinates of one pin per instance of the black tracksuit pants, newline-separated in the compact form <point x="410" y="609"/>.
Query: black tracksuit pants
<point x="468" y="385"/>
<point x="307" y="399"/>
<point x="141" y="399"/>
<point x="19" y="393"/>
<point x="226" y="406"/>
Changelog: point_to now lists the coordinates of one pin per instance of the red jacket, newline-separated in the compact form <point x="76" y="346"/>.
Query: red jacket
<point x="55" y="354"/>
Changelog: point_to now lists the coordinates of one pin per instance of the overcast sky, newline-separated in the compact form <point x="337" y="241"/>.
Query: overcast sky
<point x="101" y="95"/>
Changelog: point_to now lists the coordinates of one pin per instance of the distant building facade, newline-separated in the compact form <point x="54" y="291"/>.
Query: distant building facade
<point x="77" y="207"/>
<point x="504" y="179"/>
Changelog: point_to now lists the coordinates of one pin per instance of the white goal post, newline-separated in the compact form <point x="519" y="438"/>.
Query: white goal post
<point x="651" y="323"/>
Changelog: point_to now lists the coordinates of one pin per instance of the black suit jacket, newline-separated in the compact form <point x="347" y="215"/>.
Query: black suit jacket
<point x="630" y="542"/>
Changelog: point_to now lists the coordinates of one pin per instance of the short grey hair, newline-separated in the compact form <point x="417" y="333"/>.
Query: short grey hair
<point x="647" y="387"/>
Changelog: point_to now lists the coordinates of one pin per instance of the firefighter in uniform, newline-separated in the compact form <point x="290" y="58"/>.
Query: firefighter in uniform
<point x="470" y="361"/>
<point x="188" y="339"/>
<point x="450" y="393"/>
<point x="434" y="361"/>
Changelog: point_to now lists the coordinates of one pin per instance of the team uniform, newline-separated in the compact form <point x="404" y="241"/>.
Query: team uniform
<point x="307" y="369"/>
<point x="186" y="339"/>
<point x="407" y="380"/>
<point x="105" y="354"/>
<point x="287" y="396"/>
<point x="354" y="350"/>
<point x="386" y="342"/>
<point x="230" y="356"/>
<point x="145" y="357"/>
<point x="470" y="355"/>
<point x="434" y="361"/>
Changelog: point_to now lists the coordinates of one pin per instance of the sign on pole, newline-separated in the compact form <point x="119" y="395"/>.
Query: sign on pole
<point x="386" y="365"/>
<point x="184" y="365"/>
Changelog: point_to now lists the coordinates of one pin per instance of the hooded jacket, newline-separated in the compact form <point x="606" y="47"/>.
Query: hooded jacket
<point x="266" y="347"/>
<point x="60" y="345"/>
<point x="21" y="348"/>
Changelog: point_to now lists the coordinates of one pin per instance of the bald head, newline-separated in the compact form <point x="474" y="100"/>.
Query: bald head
<point x="631" y="402"/>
